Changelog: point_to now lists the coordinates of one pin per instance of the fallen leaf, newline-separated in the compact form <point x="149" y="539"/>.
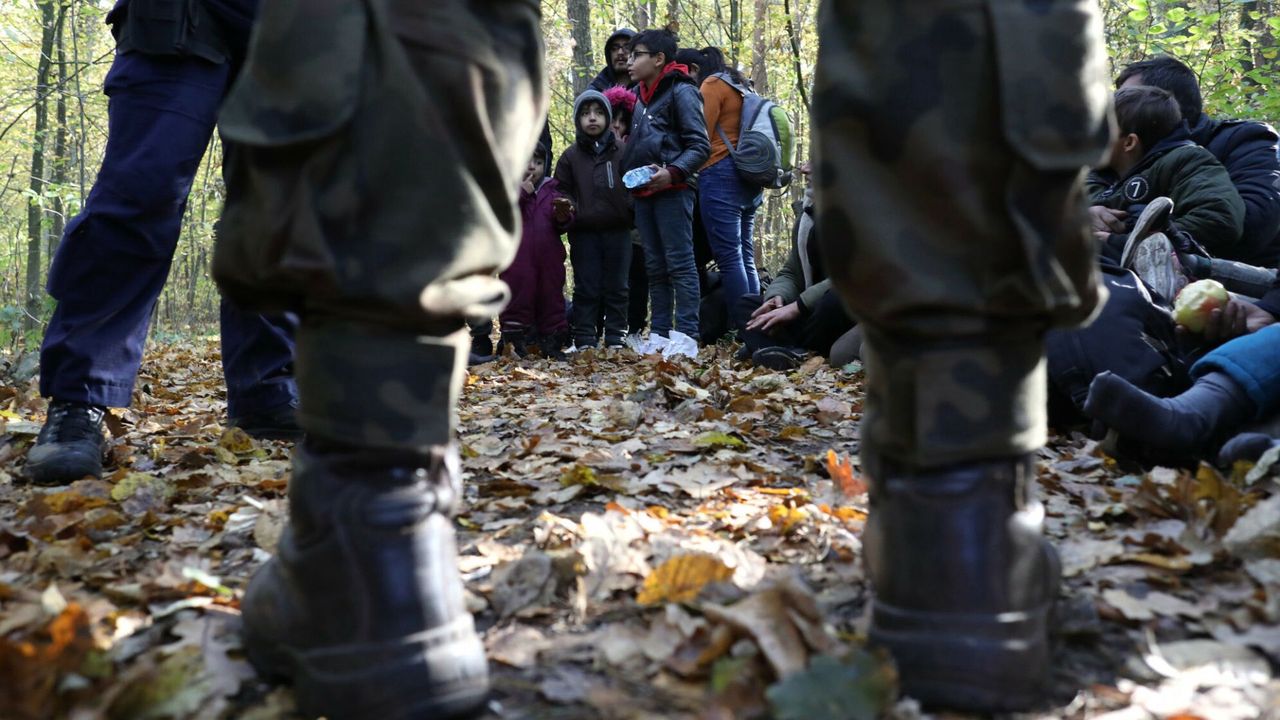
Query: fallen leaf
<point x="860" y="687"/>
<point x="841" y="473"/>
<point x="681" y="579"/>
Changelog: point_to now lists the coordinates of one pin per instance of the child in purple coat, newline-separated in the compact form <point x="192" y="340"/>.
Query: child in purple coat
<point x="536" y="313"/>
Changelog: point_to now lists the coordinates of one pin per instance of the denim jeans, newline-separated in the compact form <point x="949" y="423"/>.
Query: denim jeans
<point x="665" y="222"/>
<point x="729" y="213"/>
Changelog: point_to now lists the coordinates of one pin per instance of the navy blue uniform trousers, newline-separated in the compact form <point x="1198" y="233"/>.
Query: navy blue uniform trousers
<point x="115" y="255"/>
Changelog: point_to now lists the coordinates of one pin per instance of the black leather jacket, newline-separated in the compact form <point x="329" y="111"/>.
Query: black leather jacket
<point x="670" y="129"/>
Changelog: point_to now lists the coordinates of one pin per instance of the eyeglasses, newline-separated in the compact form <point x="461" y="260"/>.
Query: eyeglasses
<point x="634" y="53"/>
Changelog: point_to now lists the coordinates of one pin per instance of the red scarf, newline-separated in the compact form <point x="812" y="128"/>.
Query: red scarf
<point x="647" y="90"/>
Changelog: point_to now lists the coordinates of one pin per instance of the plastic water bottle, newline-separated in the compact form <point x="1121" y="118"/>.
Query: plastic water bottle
<point x="637" y="177"/>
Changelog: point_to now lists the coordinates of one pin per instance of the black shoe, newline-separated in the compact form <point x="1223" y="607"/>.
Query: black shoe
<point x="778" y="358"/>
<point x="481" y="345"/>
<point x="362" y="607"/>
<point x="69" y="446"/>
<point x="474" y="359"/>
<point x="964" y="583"/>
<point x="278" y="424"/>
<point x="516" y="341"/>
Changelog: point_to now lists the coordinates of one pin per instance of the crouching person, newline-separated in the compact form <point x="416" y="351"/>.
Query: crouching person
<point x="798" y="313"/>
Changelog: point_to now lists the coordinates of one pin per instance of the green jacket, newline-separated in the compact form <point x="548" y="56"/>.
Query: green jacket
<point x="790" y="283"/>
<point x="1205" y="202"/>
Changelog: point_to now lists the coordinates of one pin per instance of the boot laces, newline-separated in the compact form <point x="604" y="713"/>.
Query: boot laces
<point x="70" y="422"/>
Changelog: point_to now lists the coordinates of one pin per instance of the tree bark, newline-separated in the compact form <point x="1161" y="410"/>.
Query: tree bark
<point x="49" y="18"/>
<point x="759" y="49"/>
<point x="579" y="12"/>
<point x="61" y="159"/>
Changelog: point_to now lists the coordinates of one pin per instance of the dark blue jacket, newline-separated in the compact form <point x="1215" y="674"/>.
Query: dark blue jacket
<point x="1248" y="150"/>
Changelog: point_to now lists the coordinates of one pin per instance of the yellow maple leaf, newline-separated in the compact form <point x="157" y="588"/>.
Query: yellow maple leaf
<point x="681" y="579"/>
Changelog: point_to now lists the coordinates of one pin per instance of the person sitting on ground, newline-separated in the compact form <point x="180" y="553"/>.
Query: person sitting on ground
<point x="1154" y="158"/>
<point x="597" y="209"/>
<point x="1236" y="383"/>
<point x="1247" y="148"/>
<point x="798" y="312"/>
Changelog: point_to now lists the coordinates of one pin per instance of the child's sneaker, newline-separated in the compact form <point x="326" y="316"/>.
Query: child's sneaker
<point x="679" y="344"/>
<point x="1156" y="263"/>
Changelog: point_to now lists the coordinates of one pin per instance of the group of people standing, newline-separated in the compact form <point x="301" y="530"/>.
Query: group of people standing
<point x="673" y="114"/>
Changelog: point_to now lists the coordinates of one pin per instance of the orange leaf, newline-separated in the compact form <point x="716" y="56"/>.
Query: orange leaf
<point x="841" y="473"/>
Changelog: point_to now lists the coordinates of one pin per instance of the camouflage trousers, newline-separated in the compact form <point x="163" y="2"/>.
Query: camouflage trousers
<point x="378" y="146"/>
<point x="951" y="142"/>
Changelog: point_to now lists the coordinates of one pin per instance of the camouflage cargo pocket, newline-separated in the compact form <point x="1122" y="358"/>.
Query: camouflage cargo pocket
<point x="289" y="175"/>
<point x="1054" y="94"/>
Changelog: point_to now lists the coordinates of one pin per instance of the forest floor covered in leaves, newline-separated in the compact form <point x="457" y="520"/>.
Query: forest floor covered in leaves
<point x="641" y="539"/>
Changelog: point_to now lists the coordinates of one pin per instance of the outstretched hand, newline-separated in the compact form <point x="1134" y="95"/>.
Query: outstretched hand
<point x="775" y="318"/>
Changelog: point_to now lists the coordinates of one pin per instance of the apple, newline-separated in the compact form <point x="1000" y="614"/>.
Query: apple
<point x="1192" y="306"/>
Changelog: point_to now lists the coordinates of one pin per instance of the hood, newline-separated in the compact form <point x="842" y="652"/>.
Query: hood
<point x="596" y="144"/>
<point x="623" y="32"/>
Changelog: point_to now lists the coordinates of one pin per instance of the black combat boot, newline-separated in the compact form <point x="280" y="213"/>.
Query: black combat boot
<point x="362" y="608"/>
<point x="69" y="446"/>
<point x="964" y="583"/>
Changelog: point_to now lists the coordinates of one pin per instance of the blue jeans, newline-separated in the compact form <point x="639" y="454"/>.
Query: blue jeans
<point x="114" y="256"/>
<point x="665" y="222"/>
<point x="729" y="214"/>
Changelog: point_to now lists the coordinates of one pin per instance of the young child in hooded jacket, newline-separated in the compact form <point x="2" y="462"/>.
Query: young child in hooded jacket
<point x="597" y="210"/>
<point x="536" y="313"/>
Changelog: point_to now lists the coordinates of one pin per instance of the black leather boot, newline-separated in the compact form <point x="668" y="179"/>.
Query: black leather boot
<point x="964" y="583"/>
<point x="362" y="608"/>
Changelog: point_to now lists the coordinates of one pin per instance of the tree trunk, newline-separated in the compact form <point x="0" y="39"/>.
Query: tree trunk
<point x="759" y="49"/>
<point x="673" y="15"/>
<point x="580" y="29"/>
<point x="801" y="84"/>
<point x="35" y="201"/>
<point x="643" y="15"/>
<point x="735" y="31"/>
<point x="61" y="160"/>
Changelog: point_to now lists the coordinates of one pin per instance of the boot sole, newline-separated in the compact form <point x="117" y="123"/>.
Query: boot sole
<point x="383" y="681"/>
<point x="979" y="663"/>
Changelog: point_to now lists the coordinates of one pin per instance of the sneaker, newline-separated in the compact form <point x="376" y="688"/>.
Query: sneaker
<point x="69" y="446"/>
<point x="778" y="358"/>
<point x="1156" y="263"/>
<point x="278" y="424"/>
<point x="680" y="345"/>
<point x="1154" y="218"/>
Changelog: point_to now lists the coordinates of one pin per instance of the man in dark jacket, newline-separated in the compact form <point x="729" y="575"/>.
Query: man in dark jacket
<point x="668" y="136"/>
<point x="166" y="83"/>
<point x="1247" y="148"/>
<point x="616" y="54"/>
